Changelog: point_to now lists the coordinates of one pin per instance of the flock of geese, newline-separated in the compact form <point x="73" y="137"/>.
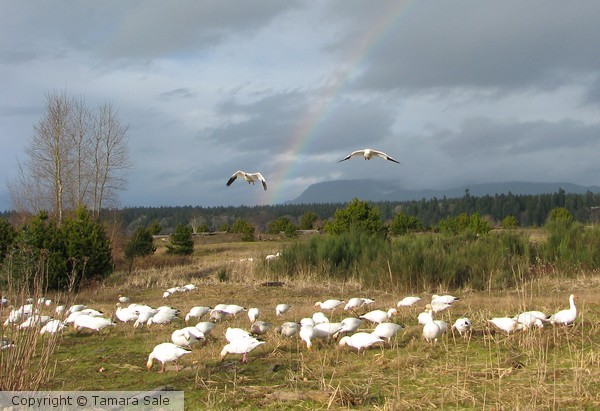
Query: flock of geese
<point x="366" y="153"/>
<point x="361" y="329"/>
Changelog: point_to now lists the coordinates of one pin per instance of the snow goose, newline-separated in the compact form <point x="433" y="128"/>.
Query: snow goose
<point x="240" y="345"/>
<point x="260" y="327"/>
<point x="77" y="307"/>
<point x="205" y="327"/>
<point x="186" y="336"/>
<point x="196" y="312"/>
<point x="379" y="316"/>
<point x="387" y="330"/>
<point x="233" y="334"/>
<point x="448" y="299"/>
<point x="438" y="306"/>
<point x="289" y="329"/>
<point x="123" y="299"/>
<point x="530" y="319"/>
<point x="360" y="341"/>
<point x="52" y="327"/>
<point x="350" y="325"/>
<point x="329" y="305"/>
<point x="91" y="323"/>
<point x="271" y="257"/>
<point x="319" y="318"/>
<point x="190" y="287"/>
<point x="253" y="314"/>
<point x="162" y="317"/>
<point x="35" y="321"/>
<point x="281" y="309"/>
<point x="164" y="353"/>
<point x="234" y="309"/>
<point x="309" y="322"/>
<point x="251" y="178"/>
<point x="217" y="315"/>
<point x="565" y="317"/>
<point x="124" y="314"/>
<point x="367" y="154"/>
<point x="307" y="333"/>
<point x="408" y="301"/>
<point x="92" y="312"/>
<point x="462" y="325"/>
<point x="506" y="324"/>
<point x="431" y="330"/>
<point x="327" y="330"/>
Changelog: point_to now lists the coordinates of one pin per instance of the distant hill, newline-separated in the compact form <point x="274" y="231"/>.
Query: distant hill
<point x="339" y="191"/>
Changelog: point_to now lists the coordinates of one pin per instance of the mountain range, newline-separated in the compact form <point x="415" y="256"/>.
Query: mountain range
<point x="341" y="191"/>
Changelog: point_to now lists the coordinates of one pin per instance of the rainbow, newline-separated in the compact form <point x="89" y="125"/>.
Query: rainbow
<point x="378" y="33"/>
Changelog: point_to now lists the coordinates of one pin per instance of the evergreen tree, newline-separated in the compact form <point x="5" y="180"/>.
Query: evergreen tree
<point x="140" y="245"/>
<point x="7" y="237"/>
<point x="308" y="220"/>
<point x="182" y="242"/>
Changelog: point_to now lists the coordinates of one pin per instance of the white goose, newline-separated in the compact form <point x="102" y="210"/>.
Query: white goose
<point x="281" y="309"/>
<point x="91" y="323"/>
<point x="367" y="154"/>
<point x="253" y="314"/>
<point x="52" y="327"/>
<point x="431" y="330"/>
<point x="448" y="299"/>
<point x="289" y="329"/>
<point x="205" y="327"/>
<point x="357" y="302"/>
<point x="196" y="312"/>
<point x="462" y="325"/>
<point x="329" y="305"/>
<point x="387" y="330"/>
<point x="530" y="319"/>
<point x="251" y="178"/>
<point x="350" y="325"/>
<point x="186" y="336"/>
<point x="241" y="345"/>
<point x="319" y="318"/>
<point x="234" y="309"/>
<point x="360" y="341"/>
<point x="307" y="333"/>
<point x="124" y="314"/>
<point x="506" y="324"/>
<point x="165" y="353"/>
<point x="379" y="316"/>
<point x="565" y="317"/>
<point x="408" y="301"/>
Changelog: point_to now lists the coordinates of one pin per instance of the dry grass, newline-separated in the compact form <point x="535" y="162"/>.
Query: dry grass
<point x="551" y="368"/>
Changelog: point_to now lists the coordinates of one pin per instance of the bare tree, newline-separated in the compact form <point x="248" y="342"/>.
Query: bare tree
<point x="75" y="158"/>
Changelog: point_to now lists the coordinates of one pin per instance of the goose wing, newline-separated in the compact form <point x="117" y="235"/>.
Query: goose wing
<point x="234" y="176"/>
<point x="381" y="154"/>
<point x="353" y="154"/>
<point x="260" y="177"/>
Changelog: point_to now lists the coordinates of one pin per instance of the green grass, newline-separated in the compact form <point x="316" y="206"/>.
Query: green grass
<point x="554" y="367"/>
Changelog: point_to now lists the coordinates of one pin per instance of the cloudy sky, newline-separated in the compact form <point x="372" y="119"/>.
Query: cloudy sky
<point x="460" y="92"/>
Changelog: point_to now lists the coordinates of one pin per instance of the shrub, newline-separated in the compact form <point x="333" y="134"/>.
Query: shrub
<point x="7" y="237"/>
<point x="282" y="224"/>
<point x="140" y="245"/>
<point x="403" y="224"/>
<point x="243" y="227"/>
<point x="509" y="222"/>
<point x="357" y="215"/>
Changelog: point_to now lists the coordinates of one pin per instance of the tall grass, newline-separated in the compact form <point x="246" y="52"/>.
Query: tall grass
<point x="27" y="362"/>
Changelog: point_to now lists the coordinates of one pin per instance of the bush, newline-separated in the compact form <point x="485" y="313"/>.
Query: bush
<point x="140" y="245"/>
<point x="7" y="237"/>
<point x="509" y="222"/>
<point x="404" y="224"/>
<point x="357" y="215"/>
<point x="282" y="224"/>
<point x="243" y="227"/>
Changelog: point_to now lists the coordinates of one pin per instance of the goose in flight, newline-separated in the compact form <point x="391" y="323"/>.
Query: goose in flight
<point x="251" y="178"/>
<point x="368" y="153"/>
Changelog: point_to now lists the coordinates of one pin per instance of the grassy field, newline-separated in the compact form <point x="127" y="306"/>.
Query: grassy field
<point x="551" y="368"/>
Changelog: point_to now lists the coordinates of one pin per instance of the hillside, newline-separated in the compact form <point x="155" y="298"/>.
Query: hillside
<point x="376" y="190"/>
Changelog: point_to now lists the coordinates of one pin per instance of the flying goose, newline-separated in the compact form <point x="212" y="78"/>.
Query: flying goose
<point x="251" y="178"/>
<point x="368" y="153"/>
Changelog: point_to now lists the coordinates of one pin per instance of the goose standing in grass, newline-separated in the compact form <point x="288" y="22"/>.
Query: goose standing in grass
<point x="260" y="327"/>
<point x="506" y="324"/>
<point x="360" y="341"/>
<point x="164" y="316"/>
<point x="196" y="312"/>
<point x="35" y="321"/>
<point x="251" y="178"/>
<point x="52" y="327"/>
<point x="350" y="325"/>
<point x="319" y="318"/>
<point x="439" y="306"/>
<point x="124" y="314"/>
<point x="530" y="319"/>
<point x="357" y="302"/>
<point x="448" y="299"/>
<point x="76" y="307"/>
<point x="408" y="301"/>
<point x="565" y="317"/>
<point x="281" y="309"/>
<point x="307" y="333"/>
<point x="253" y="314"/>
<point x="123" y="299"/>
<point x="289" y="329"/>
<point x="186" y="336"/>
<point x="379" y="316"/>
<point x="239" y="342"/>
<point x="92" y="323"/>
<point x="218" y="315"/>
<point x="462" y="325"/>
<point x="164" y="353"/>
<point x="327" y="330"/>
<point x="387" y="330"/>
<point x="205" y="327"/>
<point x="367" y="154"/>
<point x="234" y="309"/>
<point x="329" y="305"/>
<point x="431" y="330"/>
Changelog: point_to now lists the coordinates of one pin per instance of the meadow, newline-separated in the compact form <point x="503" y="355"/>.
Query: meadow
<point x="550" y="368"/>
